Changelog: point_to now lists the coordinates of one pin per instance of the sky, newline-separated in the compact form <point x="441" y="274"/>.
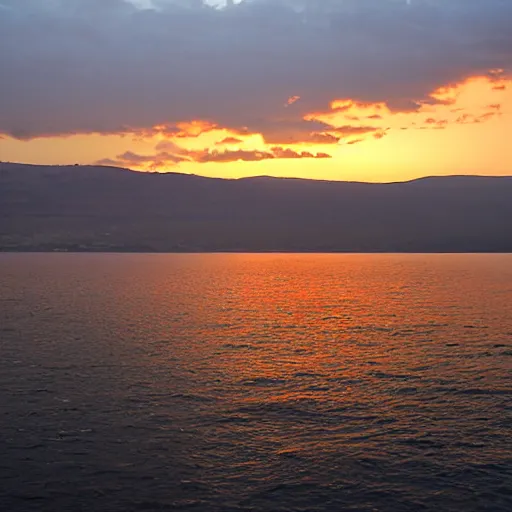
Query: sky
<point x="368" y="90"/>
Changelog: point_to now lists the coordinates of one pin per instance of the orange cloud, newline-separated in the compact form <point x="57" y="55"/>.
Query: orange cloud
<point x="177" y="155"/>
<point x="194" y="128"/>
<point x="351" y="110"/>
<point x="347" y="104"/>
<point x="445" y="95"/>
<point x="470" y="102"/>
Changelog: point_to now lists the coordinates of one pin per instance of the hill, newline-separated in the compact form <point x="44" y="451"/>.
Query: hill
<point x="86" y="208"/>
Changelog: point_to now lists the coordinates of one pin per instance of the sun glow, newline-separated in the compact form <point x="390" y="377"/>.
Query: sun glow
<point x="460" y="129"/>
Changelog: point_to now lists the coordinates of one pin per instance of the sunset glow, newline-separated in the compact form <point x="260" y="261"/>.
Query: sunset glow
<point x="464" y="133"/>
<point x="378" y="128"/>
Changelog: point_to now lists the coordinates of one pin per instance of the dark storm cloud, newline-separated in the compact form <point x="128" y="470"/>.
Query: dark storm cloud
<point x="74" y="66"/>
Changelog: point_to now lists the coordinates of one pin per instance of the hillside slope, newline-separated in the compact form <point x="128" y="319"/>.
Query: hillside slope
<point x="105" y="208"/>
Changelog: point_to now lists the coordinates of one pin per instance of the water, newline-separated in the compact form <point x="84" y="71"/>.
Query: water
<point x="255" y="382"/>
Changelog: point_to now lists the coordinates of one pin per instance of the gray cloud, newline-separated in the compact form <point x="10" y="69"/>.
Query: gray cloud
<point x="78" y="66"/>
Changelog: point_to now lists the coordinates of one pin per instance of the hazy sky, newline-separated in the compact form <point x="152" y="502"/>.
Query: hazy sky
<point x="375" y="90"/>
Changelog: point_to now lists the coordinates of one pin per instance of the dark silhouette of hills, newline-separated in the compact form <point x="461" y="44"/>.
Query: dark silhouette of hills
<point x="88" y="208"/>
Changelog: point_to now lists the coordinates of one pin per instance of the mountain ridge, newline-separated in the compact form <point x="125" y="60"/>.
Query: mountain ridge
<point x="96" y="208"/>
<point x="17" y="165"/>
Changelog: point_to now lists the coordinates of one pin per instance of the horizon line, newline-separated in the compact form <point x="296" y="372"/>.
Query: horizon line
<point x="258" y="176"/>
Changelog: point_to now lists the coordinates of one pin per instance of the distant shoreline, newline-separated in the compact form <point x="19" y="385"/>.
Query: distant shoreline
<point x="120" y="251"/>
<point x="104" y="209"/>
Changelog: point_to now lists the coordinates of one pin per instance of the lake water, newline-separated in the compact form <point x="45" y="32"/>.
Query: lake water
<point x="236" y="382"/>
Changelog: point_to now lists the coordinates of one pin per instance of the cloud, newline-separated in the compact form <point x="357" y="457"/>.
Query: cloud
<point x="109" y="66"/>
<point x="233" y="156"/>
<point x="476" y="119"/>
<point x="161" y="158"/>
<point x="134" y="158"/>
<point x="291" y="100"/>
<point x="438" y="124"/>
<point x="252" y="155"/>
<point x="287" y="130"/>
<point x="347" y="131"/>
<point x="279" y="152"/>
<point x="193" y="128"/>
<point x="229" y="141"/>
<point x="175" y="154"/>
<point x="169" y="146"/>
<point x="109" y="162"/>
<point x="322" y="138"/>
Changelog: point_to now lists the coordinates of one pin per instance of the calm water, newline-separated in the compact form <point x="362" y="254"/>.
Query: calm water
<point x="255" y="382"/>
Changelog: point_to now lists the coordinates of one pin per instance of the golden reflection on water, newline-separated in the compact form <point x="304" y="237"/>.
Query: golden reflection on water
<point x="340" y="324"/>
<point x="239" y="371"/>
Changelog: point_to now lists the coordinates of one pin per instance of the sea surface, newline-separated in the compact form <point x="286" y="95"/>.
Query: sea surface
<point x="241" y="382"/>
